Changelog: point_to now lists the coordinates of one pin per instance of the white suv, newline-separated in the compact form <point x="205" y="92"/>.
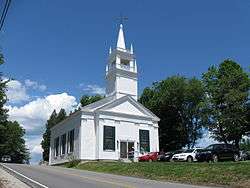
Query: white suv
<point x="187" y="155"/>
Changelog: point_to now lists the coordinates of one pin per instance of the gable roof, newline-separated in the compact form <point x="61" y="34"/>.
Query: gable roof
<point x="93" y="106"/>
<point x="126" y="104"/>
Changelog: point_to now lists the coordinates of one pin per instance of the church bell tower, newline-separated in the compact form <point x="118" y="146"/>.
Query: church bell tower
<point x="121" y="70"/>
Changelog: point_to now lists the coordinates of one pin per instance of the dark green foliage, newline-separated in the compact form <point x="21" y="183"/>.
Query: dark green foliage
<point x="3" y="100"/>
<point x="53" y="120"/>
<point x="14" y="144"/>
<point x="227" y="88"/>
<point x="178" y="102"/>
<point x="86" y="99"/>
<point x="1" y="58"/>
<point x="61" y="115"/>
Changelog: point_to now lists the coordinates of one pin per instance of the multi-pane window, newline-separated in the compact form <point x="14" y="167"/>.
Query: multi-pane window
<point x="144" y="141"/>
<point x="109" y="138"/>
<point x="56" y="146"/>
<point x="63" y="144"/>
<point x="70" y="144"/>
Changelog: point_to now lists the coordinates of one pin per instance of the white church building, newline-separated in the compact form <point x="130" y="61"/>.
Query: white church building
<point x="114" y="127"/>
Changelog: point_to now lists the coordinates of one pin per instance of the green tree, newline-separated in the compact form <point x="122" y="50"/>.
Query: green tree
<point x="53" y="120"/>
<point x="227" y="87"/>
<point x="193" y="110"/>
<point x="14" y="143"/>
<point x="86" y="99"/>
<point x="1" y="58"/>
<point x="3" y="97"/>
<point x="177" y="101"/>
<point x="61" y="115"/>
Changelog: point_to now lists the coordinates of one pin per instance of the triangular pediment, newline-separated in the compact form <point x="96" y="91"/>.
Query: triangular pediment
<point x="127" y="105"/>
<point x="126" y="108"/>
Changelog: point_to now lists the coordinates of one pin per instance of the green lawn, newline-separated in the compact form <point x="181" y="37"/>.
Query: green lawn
<point x="234" y="174"/>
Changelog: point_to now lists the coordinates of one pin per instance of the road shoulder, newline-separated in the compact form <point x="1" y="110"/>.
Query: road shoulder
<point x="9" y="181"/>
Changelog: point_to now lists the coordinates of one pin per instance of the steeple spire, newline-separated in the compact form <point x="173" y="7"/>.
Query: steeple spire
<point x="121" y="70"/>
<point x="121" y="40"/>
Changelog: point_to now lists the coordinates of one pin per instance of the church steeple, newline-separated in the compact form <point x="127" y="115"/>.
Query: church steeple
<point x="121" y="70"/>
<point x="121" y="41"/>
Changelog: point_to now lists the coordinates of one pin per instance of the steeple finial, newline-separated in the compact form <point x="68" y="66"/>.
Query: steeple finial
<point x="131" y="49"/>
<point x="121" y="40"/>
<point x="110" y="50"/>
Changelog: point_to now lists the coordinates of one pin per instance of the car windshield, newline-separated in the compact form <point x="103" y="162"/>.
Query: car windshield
<point x="188" y="151"/>
<point x="199" y="150"/>
<point x="210" y="147"/>
<point x="178" y="151"/>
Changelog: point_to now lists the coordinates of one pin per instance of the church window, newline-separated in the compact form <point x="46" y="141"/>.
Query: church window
<point x="56" y="146"/>
<point x="70" y="141"/>
<point x="125" y="64"/>
<point x="109" y="138"/>
<point x="144" y="141"/>
<point x="63" y="143"/>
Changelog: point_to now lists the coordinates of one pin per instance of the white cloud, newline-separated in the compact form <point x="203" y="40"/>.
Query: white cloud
<point x="35" y="149"/>
<point x="33" y="116"/>
<point x="206" y="140"/>
<point x="33" y="144"/>
<point x="93" y="89"/>
<point x="34" y="85"/>
<point x="16" y="92"/>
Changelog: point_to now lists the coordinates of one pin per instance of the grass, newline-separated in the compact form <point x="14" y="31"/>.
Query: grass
<point x="233" y="174"/>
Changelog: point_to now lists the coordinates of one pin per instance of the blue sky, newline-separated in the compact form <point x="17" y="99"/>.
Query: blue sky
<point x="59" y="48"/>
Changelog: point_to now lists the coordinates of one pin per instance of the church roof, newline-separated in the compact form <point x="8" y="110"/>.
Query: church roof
<point x="109" y="104"/>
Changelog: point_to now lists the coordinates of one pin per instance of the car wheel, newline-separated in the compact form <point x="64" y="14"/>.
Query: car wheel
<point x="190" y="159"/>
<point x="236" y="157"/>
<point x="150" y="160"/>
<point x="215" y="158"/>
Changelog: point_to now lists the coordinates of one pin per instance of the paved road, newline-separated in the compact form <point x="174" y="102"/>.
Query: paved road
<point x="58" y="177"/>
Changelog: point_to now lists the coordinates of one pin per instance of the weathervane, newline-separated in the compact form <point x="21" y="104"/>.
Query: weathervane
<point x="122" y="18"/>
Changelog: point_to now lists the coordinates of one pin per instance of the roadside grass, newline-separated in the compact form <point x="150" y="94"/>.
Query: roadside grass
<point x="233" y="174"/>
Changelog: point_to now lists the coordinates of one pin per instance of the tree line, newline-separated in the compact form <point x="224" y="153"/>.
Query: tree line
<point x="218" y="103"/>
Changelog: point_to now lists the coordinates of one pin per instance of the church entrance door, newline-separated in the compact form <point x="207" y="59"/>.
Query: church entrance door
<point x="123" y="150"/>
<point x="126" y="149"/>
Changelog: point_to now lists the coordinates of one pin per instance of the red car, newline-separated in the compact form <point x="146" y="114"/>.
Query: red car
<point x="149" y="157"/>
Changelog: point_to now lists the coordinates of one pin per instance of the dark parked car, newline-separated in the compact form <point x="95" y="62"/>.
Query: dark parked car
<point x="168" y="155"/>
<point x="217" y="152"/>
